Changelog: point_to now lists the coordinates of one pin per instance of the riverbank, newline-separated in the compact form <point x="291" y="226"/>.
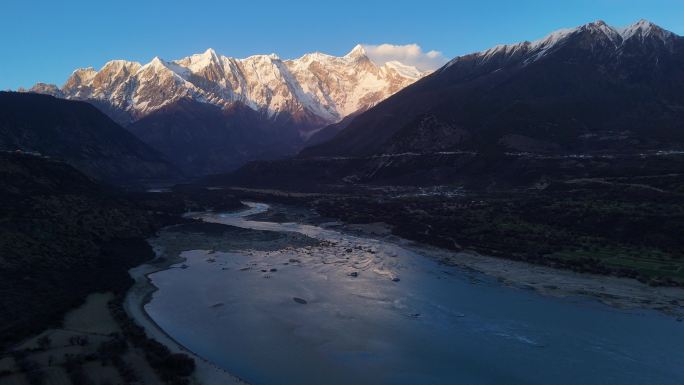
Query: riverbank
<point x="392" y="300"/>
<point x="218" y="238"/>
<point x="623" y="293"/>
<point x="141" y="293"/>
<point x="600" y="228"/>
<point x="168" y="246"/>
<point x="619" y="292"/>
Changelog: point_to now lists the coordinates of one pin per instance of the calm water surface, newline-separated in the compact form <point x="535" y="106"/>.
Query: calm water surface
<point x="403" y="319"/>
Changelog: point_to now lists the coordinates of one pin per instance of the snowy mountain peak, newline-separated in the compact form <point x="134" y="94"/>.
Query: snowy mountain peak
<point x="642" y="25"/>
<point x="156" y="62"/>
<point x="84" y="73"/>
<point x="599" y="33"/>
<point x="603" y="29"/>
<point x="319" y="87"/>
<point x="81" y="76"/>
<point x="643" y="29"/>
<point x="357" y="52"/>
<point x="210" y="53"/>
<point x="121" y="65"/>
<point x="206" y="57"/>
<point x="261" y="58"/>
<point x="48" y="89"/>
<point x="598" y="25"/>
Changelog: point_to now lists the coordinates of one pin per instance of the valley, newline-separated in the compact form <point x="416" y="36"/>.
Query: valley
<point x="385" y="215"/>
<point x="386" y="300"/>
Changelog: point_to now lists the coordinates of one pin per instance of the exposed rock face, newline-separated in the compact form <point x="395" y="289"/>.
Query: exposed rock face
<point x="47" y="89"/>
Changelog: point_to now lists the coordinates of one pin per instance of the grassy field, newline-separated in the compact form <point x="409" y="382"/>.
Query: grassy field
<point x="652" y="263"/>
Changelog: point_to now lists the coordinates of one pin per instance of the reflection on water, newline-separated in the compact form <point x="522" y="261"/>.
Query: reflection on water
<point x="361" y="311"/>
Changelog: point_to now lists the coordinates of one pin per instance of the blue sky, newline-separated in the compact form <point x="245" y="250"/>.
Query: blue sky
<point x="46" y="40"/>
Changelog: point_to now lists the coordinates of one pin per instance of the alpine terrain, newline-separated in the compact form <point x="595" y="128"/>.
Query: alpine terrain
<point x="226" y="111"/>
<point x="419" y="211"/>
<point x="590" y="88"/>
<point x="572" y="97"/>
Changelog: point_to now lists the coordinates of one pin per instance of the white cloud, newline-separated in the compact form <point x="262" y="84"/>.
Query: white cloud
<point x="410" y="54"/>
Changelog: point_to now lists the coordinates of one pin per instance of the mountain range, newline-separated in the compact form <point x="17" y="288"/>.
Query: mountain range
<point x="585" y="89"/>
<point x="566" y="152"/>
<point x="593" y="90"/>
<point x="313" y="88"/>
<point x="286" y="100"/>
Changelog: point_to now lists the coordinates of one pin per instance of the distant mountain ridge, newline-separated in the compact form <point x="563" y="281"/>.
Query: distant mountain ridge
<point x="587" y="101"/>
<point x="79" y="134"/>
<point x="209" y="113"/>
<point x="316" y="89"/>
<point x="585" y="89"/>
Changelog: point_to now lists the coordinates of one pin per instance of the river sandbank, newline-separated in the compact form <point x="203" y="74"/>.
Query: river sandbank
<point x="624" y="293"/>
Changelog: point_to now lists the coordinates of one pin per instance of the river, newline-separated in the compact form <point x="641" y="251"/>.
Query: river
<point x="364" y="311"/>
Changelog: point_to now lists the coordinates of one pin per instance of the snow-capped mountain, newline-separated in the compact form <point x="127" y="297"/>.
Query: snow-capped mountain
<point x="599" y="36"/>
<point x="315" y="88"/>
<point x="592" y="88"/>
<point x="587" y="102"/>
